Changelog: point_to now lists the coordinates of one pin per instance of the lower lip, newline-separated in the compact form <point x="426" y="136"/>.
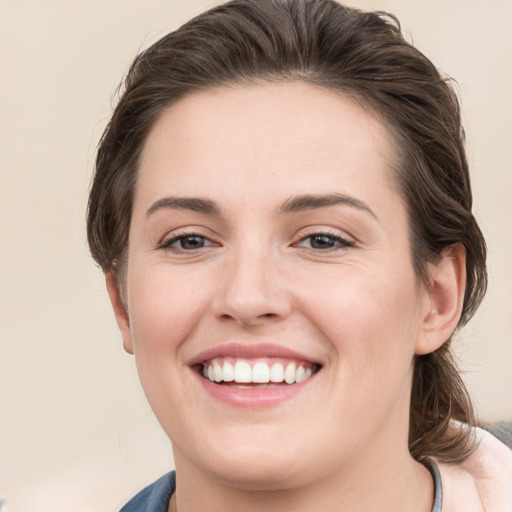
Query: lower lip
<point x="253" y="397"/>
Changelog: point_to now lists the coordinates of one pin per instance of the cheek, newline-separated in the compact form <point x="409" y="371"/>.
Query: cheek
<point x="371" y="319"/>
<point x="164" y="308"/>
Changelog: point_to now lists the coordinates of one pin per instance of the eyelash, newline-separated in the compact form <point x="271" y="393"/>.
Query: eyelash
<point x="338" y="242"/>
<point x="168" y="244"/>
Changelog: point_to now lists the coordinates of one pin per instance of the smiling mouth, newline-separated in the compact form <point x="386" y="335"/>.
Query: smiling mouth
<point x="257" y="373"/>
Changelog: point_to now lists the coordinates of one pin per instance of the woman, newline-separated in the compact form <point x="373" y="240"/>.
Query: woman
<point x="282" y="209"/>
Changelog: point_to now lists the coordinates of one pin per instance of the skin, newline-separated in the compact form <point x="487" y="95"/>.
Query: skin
<point x="356" y="307"/>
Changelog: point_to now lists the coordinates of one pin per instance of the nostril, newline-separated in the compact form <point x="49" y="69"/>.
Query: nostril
<point x="263" y="316"/>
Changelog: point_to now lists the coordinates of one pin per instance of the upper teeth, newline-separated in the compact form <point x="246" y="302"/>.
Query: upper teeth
<point x="259" y="372"/>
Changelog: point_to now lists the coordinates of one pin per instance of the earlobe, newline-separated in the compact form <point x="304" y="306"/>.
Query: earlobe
<point x="445" y="299"/>
<point x="120" y="311"/>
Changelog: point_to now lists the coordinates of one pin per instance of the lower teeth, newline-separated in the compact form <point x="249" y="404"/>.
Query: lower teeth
<point x="251" y="386"/>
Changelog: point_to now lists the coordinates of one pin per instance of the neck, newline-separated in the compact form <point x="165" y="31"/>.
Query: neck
<point x="392" y="484"/>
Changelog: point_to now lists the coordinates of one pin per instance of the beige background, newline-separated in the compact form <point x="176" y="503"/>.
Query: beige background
<point x="75" y="431"/>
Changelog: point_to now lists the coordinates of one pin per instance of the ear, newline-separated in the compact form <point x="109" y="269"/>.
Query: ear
<point x="120" y="311"/>
<point x="445" y="297"/>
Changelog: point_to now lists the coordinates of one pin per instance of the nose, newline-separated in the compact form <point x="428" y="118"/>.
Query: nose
<point x="252" y="291"/>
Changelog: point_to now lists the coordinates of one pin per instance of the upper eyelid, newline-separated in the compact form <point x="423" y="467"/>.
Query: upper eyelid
<point x="326" y="231"/>
<point x="186" y="231"/>
<point x="174" y="238"/>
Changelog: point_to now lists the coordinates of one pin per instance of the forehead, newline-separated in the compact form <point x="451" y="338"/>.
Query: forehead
<point x="264" y="138"/>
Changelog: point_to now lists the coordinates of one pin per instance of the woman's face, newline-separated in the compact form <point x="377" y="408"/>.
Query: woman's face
<point x="267" y="236"/>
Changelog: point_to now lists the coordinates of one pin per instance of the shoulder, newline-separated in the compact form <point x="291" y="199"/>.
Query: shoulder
<point x="154" y="497"/>
<point x="483" y="481"/>
<point x="491" y="468"/>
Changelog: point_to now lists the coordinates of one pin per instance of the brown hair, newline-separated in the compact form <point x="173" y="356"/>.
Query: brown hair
<point x="363" y="55"/>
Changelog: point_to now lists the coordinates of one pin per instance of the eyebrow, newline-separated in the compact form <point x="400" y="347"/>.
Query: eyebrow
<point x="195" y="204"/>
<point x="294" y="204"/>
<point x="312" y="201"/>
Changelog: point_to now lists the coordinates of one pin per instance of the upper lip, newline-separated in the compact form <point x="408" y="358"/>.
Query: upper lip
<point x="249" y="351"/>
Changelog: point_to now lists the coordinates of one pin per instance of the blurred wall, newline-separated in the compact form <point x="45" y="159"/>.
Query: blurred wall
<point x="75" y="430"/>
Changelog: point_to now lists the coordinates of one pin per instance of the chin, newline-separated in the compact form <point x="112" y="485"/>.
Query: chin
<point x="268" y="474"/>
<point x="254" y="465"/>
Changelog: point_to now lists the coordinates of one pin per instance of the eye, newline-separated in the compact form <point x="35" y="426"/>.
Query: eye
<point x="324" y="242"/>
<point x="189" y="242"/>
